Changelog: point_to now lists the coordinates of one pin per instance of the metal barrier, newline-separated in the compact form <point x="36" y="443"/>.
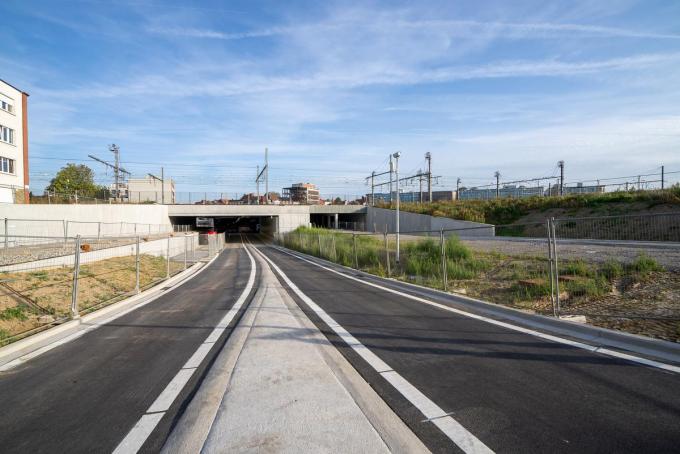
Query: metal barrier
<point x="47" y="280"/>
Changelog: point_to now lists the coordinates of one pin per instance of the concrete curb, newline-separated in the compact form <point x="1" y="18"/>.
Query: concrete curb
<point x="598" y="337"/>
<point x="30" y="346"/>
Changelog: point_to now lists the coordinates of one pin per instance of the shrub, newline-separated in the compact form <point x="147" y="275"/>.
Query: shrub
<point x="644" y="265"/>
<point x="577" y="268"/>
<point x="612" y="269"/>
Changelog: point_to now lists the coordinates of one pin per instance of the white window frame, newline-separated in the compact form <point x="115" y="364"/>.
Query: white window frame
<point x="6" y="106"/>
<point x="9" y="164"/>
<point x="6" y="135"/>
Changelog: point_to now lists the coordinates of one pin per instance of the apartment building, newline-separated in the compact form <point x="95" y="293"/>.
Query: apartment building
<point x="13" y="144"/>
<point x="303" y="193"/>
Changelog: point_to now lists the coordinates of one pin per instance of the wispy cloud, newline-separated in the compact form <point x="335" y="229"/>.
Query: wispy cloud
<point x="515" y="30"/>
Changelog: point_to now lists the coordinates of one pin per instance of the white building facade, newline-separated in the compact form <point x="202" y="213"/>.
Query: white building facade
<point x="140" y="190"/>
<point x="13" y="144"/>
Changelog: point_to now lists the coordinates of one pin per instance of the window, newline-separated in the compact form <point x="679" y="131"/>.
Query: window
<point x="6" y="134"/>
<point x="4" y="105"/>
<point x="6" y="165"/>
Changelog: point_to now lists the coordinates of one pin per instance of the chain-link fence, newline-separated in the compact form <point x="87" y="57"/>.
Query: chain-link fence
<point x="617" y="272"/>
<point x="47" y="280"/>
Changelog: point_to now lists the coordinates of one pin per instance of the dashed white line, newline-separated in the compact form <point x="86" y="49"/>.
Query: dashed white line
<point x="134" y="440"/>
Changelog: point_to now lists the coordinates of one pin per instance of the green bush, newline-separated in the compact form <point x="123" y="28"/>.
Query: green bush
<point x="577" y="268"/>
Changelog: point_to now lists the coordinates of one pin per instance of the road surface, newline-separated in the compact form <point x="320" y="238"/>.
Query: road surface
<point x="459" y="383"/>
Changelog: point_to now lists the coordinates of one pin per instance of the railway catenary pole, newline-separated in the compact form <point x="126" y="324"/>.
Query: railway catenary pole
<point x="396" y="170"/>
<point x="428" y="156"/>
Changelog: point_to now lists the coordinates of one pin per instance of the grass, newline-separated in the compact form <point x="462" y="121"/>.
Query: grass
<point x="491" y="275"/>
<point x="16" y="312"/>
<point x="507" y="211"/>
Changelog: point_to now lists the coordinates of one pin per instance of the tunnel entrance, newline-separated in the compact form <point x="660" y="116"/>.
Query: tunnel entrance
<point x="229" y="224"/>
<point x="346" y="221"/>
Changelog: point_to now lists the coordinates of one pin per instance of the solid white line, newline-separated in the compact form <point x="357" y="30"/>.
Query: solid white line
<point x="138" y="435"/>
<point x="449" y="426"/>
<point x="141" y="431"/>
<point x="171" y="391"/>
<point x="549" y="337"/>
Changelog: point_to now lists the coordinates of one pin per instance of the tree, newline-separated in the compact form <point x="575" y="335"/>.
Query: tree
<point x="338" y="201"/>
<point x="72" y="178"/>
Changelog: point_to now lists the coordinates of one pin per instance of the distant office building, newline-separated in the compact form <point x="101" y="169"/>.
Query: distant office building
<point x="414" y="197"/>
<point x="514" y="192"/>
<point x="303" y="193"/>
<point x="150" y="190"/>
<point x="581" y="189"/>
<point x="13" y="144"/>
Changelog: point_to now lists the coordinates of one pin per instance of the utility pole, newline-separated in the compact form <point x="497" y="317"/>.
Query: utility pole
<point x="162" y="180"/>
<point x="420" y="181"/>
<point x="498" y="183"/>
<point x="638" y="185"/>
<point x="391" y="170"/>
<point x="396" y="158"/>
<point x="662" y="177"/>
<point x="263" y="175"/>
<point x="561" y="164"/>
<point x="458" y="189"/>
<point x="266" y="181"/>
<point x="428" y="157"/>
<point x="257" y="183"/>
<point x="372" y="189"/>
<point x="117" y="169"/>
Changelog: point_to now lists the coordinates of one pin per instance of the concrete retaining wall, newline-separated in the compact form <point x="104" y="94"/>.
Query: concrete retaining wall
<point x="380" y="218"/>
<point x="86" y="220"/>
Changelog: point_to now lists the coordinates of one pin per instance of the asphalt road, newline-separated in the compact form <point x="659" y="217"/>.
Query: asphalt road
<point x="86" y="395"/>
<point x="513" y="391"/>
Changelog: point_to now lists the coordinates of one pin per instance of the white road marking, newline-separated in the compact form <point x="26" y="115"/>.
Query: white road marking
<point x="549" y="337"/>
<point x="134" y="440"/>
<point x="138" y="435"/>
<point x="449" y="426"/>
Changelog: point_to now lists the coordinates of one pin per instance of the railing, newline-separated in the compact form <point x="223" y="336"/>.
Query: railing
<point x="45" y="280"/>
<point x="617" y="272"/>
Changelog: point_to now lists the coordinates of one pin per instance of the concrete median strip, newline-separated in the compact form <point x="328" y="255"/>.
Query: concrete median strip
<point x="134" y="440"/>
<point x="465" y="440"/>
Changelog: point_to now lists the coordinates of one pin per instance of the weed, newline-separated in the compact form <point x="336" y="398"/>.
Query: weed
<point x="577" y="268"/>
<point x="16" y="312"/>
<point x="643" y="265"/>
<point x="612" y="269"/>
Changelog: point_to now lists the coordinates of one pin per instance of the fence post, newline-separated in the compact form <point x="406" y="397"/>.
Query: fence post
<point x="550" y="264"/>
<point x="356" y="257"/>
<point x="443" y="255"/>
<point x="185" y="252"/>
<point x="76" y="273"/>
<point x="335" y="251"/>
<point x="99" y="230"/>
<point x="387" y="253"/>
<point x="6" y="233"/>
<point x="167" y="264"/>
<point x="65" y="230"/>
<point x="137" y="262"/>
<point x="557" y="273"/>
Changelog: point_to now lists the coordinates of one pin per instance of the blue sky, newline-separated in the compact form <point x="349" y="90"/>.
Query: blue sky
<point x="332" y="88"/>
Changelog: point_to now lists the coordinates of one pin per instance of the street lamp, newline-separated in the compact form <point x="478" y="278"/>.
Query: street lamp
<point x="396" y="172"/>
